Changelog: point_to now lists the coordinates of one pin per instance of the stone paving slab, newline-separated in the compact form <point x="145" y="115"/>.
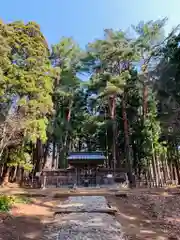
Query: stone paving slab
<point x="87" y="203"/>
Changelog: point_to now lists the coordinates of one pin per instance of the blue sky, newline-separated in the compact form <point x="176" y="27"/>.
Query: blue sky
<point x="84" y="20"/>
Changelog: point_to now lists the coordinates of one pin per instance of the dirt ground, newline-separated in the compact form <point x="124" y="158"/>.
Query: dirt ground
<point x="149" y="214"/>
<point x="27" y="221"/>
<point x="143" y="213"/>
<point x="31" y="221"/>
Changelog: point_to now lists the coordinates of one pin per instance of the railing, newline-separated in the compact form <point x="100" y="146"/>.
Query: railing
<point x="152" y="183"/>
<point x="31" y="182"/>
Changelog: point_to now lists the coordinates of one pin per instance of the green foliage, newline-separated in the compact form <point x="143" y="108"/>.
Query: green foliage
<point x="7" y="201"/>
<point x="52" y="105"/>
<point x="27" y="83"/>
<point x="30" y="74"/>
<point x="18" y="157"/>
<point x="21" y="199"/>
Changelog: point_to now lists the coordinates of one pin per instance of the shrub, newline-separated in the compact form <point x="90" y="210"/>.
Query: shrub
<point x="22" y="199"/>
<point x="6" y="202"/>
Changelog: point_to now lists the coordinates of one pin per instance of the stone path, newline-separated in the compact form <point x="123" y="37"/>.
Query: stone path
<point x="85" y="203"/>
<point x="87" y="226"/>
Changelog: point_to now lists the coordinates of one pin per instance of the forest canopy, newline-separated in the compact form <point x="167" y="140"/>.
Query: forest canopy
<point x="128" y="107"/>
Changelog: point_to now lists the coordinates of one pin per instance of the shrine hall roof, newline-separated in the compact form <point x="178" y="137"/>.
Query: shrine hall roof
<point x="86" y="156"/>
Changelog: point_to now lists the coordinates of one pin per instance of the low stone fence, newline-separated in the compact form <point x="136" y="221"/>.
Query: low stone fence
<point x="64" y="177"/>
<point x="57" y="177"/>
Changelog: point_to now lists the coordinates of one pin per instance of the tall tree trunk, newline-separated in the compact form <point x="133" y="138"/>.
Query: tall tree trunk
<point x="135" y="164"/>
<point x="170" y="163"/>
<point x="114" y="144"/>
<point x="21" y="176"/>
<point x="1" y="169"/>
<point x="164" y="167"/>
<point x="145" y="97"/>
<point x="61" y="157"/>
<point x="65" y="146"/>
<point x="53" y="154"/>
<point x="38" y="156"/>
<point x="13" y="174"/>
<point x="145" y="87"/>
<point x="144" y="108"/>
<point x="159" y="176"/>
<point x="173" y="173"/>
<point x="149" y="172"/>
<point x="155" y="174"/>
<point x="107" y="149"/>
<point x="112" y="107"/>
<point x="45" y="153"/>
<point x="127" y="142"/>
<point x="5" y="176"/>
<point x="176" y="162"/>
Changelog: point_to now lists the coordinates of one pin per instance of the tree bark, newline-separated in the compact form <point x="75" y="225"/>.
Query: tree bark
<point x="46" y="153"/>
<point x="38" y="157"/>
<point x="14" y="172"/>
<point x="112" y="107"/>
<point x="127" y="142"/>
<point x="5" y="177"/>
<point x="53" y="154"/>
<point x="145" y="96"/>
<point x="21" y="176"/>
<point x="155" y="174"/>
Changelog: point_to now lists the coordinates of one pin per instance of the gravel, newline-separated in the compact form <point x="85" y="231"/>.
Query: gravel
<point x="86" y="226"/>
<point x="87" y="203"/>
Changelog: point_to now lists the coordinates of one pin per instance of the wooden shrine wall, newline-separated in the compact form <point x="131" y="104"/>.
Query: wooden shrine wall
<point x="62" y="177"/>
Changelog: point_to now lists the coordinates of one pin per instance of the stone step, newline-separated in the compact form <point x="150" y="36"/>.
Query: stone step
<point x="87" y="217"/>
<point x="112" y="210"/>
<point x="88" y="203"/>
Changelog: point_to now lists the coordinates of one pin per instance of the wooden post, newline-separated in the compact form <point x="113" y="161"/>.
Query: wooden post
<point x="76" y="176"/>
<point x="56" y="182"/>
<point x="44" y="182"/>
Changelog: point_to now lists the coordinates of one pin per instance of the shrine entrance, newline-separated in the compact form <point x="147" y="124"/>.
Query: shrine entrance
<point x="86" y="165"/>
<point x="87" y="174"/>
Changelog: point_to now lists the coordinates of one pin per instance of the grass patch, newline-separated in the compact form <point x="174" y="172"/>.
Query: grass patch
<point x="22" y="199"/>
<point x="7" y="202"/>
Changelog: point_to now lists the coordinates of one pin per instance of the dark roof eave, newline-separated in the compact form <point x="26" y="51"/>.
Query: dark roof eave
<point x="86" y="156"/>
